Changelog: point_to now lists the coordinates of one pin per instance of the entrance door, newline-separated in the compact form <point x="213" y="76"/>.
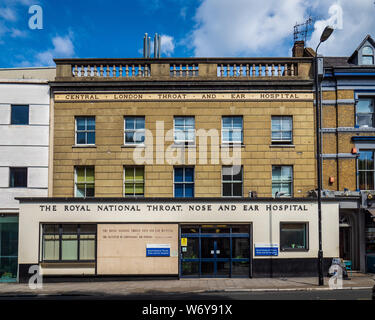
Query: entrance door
<point x="215" y="261"/>
<point x="345" y="243"/>
<point x="215" y="251"/>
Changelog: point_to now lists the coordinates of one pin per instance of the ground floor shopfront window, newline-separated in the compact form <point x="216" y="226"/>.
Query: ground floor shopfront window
<point x="215" y="251"/>
<point x="8" y="248"/>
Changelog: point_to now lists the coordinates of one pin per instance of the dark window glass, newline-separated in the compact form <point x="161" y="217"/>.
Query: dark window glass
<point x="183" y="182"/>
<point x="18" y="178"/>
<point x="232" y="181"/>
<point x="20" y="115"/>
<point x="293" y="236"/>
<point x="85" y="130"/>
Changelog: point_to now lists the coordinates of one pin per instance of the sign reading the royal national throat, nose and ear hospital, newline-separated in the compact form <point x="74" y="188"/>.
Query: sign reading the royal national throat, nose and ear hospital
<point x="179" y="96"/>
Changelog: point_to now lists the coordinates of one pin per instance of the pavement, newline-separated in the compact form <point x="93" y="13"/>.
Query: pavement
<point x="358" y="281"/>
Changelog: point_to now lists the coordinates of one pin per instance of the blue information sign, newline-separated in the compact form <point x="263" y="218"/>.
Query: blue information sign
<point x="267" y="251"/>
<point x="158" y="252"/>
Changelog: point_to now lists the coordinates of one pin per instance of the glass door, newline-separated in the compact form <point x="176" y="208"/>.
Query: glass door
<point x="215" y="257"/>
<point x="8" y="248"/>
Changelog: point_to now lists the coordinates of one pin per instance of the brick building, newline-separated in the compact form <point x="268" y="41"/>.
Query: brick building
<point x="179" y="167"/>
<point x="348" y="143"/>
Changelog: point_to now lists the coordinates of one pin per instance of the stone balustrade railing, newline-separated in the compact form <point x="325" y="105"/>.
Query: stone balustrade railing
<point x="258" y="70"/>
<point x="183" y="69"/>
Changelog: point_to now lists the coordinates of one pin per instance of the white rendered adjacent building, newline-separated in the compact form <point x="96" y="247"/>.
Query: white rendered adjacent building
<point x="24" y="151"/>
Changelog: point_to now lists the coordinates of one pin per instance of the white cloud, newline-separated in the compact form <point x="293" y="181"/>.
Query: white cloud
<point x="62" y="48"/>
<point x="358" y="21"/>
<point x="242" y="27"/>
<point x="16" y="33"/>
<point x="259" y="28"/>
<point x="167" y="45"/>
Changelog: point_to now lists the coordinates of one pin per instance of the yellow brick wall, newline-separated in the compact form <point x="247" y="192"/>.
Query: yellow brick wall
<point x="109" y="156"/>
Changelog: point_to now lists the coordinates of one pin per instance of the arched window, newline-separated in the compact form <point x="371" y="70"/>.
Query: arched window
<point x="367" y="55"/>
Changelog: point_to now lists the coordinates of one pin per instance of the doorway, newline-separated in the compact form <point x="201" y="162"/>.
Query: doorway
<point x="217" y="251"/>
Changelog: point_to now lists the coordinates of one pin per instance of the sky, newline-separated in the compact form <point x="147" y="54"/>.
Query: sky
<point x="188" y="28"/>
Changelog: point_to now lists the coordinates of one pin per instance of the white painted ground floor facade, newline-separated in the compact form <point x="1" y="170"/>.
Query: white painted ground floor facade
<point x="112" y="237"/>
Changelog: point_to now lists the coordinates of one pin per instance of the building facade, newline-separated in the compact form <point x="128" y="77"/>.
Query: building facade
<point x="24" y="147"/>
<point x="179" y="167"/>
<point x="348" y="137"/>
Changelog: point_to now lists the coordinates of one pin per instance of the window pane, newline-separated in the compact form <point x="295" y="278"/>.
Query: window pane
<point x="367" y="51"/>
<point x="91" y="137"/>
<point x="366" y="160"/>
<point x="189" y="122"/>
<point x="81" y="138"/>
<point x="178" y="174"/>
<point x="80" y="172"/>
<point x="69" y="247"/>
<point x="227" y="189"/>
<point x="129" y="137"/>
<point x="18" y="178"/>
<point x="237" y="173"/>
<point x="293" y="236"/>
<point x="179" y="121"/>
<point x="90" y="190"/>
<point x="129" y="189"/>
<point x="87" y="228"/>
<point x="189" y="174"/>
<point x="237" y="136"/>
<point x="91" y="123"/>
<point x="237" y="122"/>
<point x="227" y="122"/>
<point x="364" y="106"/>
<point x="87" y="249"/>
<point x="139" y="189"/>
<point x="178" y="190"/>
<point x="89" y="174"/>
<point x="129" y="174"/>
<point x="276" y="135"/>
<point x="129" y="123"/>
<point x="226" y="137"/>
<point x="80" y="190"/>
<point x="51" y="247"/>
<point x="139" y="136"/>
<point x="189" y="190"/>
<point x="20" y="115"/>
<point x="367" y="60"/>
<point x="140" y="123"/>
<point x="286" y="123"/>
<point x="70" y="228"/>
<point x="364" y="120"/>
<point x="237" y="189"/>
<point x="276" y="173"/>
<point x="286" y="173"/>
<point x="81" y="123"/>
<point x="139" y="174"/>
<point x="51" y="228"/>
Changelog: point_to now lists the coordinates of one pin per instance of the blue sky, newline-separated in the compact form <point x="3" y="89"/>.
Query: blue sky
<point x="110" y="28"/>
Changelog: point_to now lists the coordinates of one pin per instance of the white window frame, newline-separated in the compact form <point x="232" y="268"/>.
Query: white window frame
<point x="231" y="182"/>
<point x="372" y="114"/>
<point x="231" y="129"/>
<point x="285" y="141"/>
<point x="134" y="182"/>
<point x="185" y="130"/>
<point x="84" y="183"/>
<point x="368" y="55"/>
<point x="134" y="130"/>
<point x="282" y="182"/>
<point x="85" y="131"/>
<point x="183" y="182"/>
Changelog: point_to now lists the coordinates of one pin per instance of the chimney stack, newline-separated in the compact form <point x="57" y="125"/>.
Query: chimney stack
<point x="298" y="48"/>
